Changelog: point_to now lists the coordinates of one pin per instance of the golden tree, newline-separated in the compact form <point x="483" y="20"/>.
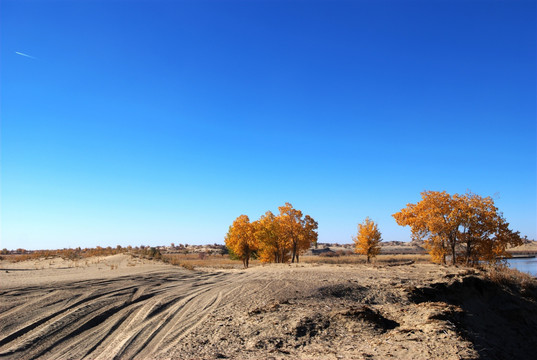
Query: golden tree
<point x="241" y="239"/>
<point x="290" y="227"/>
<point x="296" y="232"/>
<point x="272" y="246"/>
<point x="307" y="236"/>
<point x="494" y="247"/>
<point x="367" y="242"/>
<point x="479" y="223"/>
<point x="437" y="217"/>
<point x="275" y="238"/>
<point x="460" y="224"/>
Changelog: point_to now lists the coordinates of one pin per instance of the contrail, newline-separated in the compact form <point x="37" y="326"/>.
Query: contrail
<point x="25" y="55"/>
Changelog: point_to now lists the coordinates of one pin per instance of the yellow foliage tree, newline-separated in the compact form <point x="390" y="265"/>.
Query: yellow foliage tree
<point x="478" y="224"/>
<point x="290" y="227"/>
<point x="275" y="238"/>
<point x="308" y="235"/>
<point x="296" y="232"/>
<point x="437" y="217"/>
<point x="494" y="247"/>
<point x="272" y="246"/>
<point x="467" y="225"/>
<point x="367" y="242"/>
<point x="241" y="239"/>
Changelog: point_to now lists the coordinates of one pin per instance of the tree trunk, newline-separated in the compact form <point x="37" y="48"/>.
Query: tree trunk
<point x="294" y="252"/>
<point x="468" y="251"/>
<point x="246" y="260"/>
<point x="444" y="247"/>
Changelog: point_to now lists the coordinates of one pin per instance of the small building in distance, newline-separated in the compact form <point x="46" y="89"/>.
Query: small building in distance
<point x="324" y="251"/>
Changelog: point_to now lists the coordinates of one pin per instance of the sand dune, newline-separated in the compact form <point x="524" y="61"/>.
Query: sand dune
<point x="118" y="307"/>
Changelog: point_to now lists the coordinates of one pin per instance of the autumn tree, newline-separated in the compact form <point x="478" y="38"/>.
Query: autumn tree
<point x="272" y="246"/>
<point x="479" y="219"/>
<point x="276" y="238"/>
<point x="367" y="242"/>
<point x="467" y="225"/>
<point x="297" y="232"/>
<point x="241" y="239"/>
<point x="494" y="247"/>
<point x="307" y="236"/>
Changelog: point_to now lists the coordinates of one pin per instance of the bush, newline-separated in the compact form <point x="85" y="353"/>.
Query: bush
<point x="153" y="253"/>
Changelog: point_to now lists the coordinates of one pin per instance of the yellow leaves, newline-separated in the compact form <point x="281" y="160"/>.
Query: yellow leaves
<point x="436" y="249"/>
<point x="275" y="238"/>
<point x="367" y="242"/>
<point x="272" y="247"/>
<point x="241" y="238"/>
<point x="467" y="225"/>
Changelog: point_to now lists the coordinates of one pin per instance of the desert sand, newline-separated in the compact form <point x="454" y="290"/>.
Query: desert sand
<point x="119" y="307"/>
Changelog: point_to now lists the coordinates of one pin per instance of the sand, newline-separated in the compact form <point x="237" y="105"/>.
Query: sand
<point x="122" y="308"/>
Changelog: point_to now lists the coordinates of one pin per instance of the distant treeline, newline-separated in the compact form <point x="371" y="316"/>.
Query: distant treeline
<point x="79" y="253"/>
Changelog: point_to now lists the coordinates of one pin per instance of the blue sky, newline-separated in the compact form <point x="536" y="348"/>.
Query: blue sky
<point x="151" y="122"/>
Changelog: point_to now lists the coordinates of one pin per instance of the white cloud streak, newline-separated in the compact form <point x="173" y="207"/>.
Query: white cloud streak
<point x="25" y="55"/>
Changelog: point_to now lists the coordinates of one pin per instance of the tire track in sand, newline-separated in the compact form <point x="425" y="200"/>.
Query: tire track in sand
<point x="124" y="317"/>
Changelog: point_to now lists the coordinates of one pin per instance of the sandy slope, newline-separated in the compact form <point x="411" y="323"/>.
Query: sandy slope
<point x="118" y="307"/>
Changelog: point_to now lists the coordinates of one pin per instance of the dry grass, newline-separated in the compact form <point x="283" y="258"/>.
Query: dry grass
<point x="66" y="254"/>
<point x="360" y="259"/>
<point x="501" y="274"/>
<point x="192" y="261"/>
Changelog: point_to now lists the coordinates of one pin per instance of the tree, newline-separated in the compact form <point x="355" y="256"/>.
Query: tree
<point x="272" y="246"/>
<point x="367" y="242"/>
<point x="290" y="227"/>
<point x="436" y="217"/>
<point x="241" y="239"/>
<point x="467" y="225"/>
<point x="479" y="220"/>
<point x="307" y="235"/>
<point x="274" y="238"/>
<point x="494" y="247"/>
<point x="296" y="232"/>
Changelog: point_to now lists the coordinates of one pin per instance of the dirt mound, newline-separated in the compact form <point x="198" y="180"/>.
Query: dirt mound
<point x="371" y="295"/>
<point x="311" y="326"/>
<point x="499" y="320"/>
<point x="369" y="317"/>
<point x="343" y="291"/>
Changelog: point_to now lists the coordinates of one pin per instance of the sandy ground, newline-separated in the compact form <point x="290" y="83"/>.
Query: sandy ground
<point x="530" y="246"/>
<point x="119" y="307"/>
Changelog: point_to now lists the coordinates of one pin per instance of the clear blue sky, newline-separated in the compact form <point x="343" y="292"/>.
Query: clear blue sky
<point x="151" y="122"/>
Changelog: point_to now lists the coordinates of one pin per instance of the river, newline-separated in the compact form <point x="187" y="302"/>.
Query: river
<point x="527" y="265"/>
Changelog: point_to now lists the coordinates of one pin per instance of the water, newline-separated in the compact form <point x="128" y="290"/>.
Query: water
<point x="525" y="265"/>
